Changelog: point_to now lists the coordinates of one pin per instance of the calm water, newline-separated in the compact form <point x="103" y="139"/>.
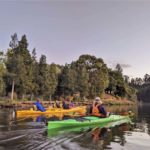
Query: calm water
<point x="28" y="134"/>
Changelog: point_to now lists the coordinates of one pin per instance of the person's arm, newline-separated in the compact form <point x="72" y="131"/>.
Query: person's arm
<point x="102" y="110"/>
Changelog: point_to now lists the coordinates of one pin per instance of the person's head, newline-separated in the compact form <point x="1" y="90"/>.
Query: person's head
<point x="38" y="100"/>
<point x="98" y="100"/>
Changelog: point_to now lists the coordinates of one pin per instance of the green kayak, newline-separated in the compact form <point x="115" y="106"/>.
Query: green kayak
<point x="86" y="121"/>
<point x="57" y="131"/>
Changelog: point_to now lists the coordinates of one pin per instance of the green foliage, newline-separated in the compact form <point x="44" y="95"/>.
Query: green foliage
<point x="67" y="80"/>
<point x="54" y="71"/>
<point x="19" y="64"/>
<point x="42" y="75"/>
<point x="82" y="81"/>
<point x="119" y="85"/>
<point x="2" y="73"/>
<point x="119" y="68"/>
<point x="143" y="88"/>
<point x="35" y="72"/>
<point x="88" y="76"/>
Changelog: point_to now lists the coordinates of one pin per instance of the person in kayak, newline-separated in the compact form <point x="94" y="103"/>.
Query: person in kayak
<point x="98" y="109"/>
<point x="65" y="104"/>
<point x="57" y="104"/>
<point x="39" y="106"/>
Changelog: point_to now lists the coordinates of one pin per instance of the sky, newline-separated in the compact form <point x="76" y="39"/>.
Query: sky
<point x="118" y="31"/>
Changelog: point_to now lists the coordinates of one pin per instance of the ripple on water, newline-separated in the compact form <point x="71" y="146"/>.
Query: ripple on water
<point x="134" y="141"/>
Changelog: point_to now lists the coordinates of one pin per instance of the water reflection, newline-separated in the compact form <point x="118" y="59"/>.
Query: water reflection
<point x="30" y="133"/>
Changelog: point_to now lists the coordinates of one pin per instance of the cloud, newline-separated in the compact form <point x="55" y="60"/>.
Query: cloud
<point x="113" y="64"/>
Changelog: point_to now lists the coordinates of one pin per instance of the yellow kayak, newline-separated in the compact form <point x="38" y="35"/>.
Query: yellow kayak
<point x="80" y="110"/>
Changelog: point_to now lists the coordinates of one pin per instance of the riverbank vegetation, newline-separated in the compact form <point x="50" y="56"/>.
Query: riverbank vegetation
<point x="143" y="87"/>
<point x="22" y="76"/>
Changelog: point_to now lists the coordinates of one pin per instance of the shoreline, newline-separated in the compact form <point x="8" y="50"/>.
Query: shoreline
<point x="29" y="104"/>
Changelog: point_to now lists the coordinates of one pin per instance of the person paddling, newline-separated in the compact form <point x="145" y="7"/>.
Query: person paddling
<point x="39" y="105"/>
<point x="98" y="109"/>
<point x="65" y="104"/>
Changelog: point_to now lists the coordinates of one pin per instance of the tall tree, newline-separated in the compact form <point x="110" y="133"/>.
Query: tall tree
<point x="146" y="78"/>
<point x="54" y="72"/>
<point x="82" y="81"/>
<point x="44" y="78"/>
<point x="11" y="63"/>
<point x="19" y="66"/>
<point x="35" y="73"/>
<point x="98" y="73"/>
<point x="14" y="41"/>
<point x="67" y="80"/>
<point x="2" y="73"/>
<point x="25" y="66"/>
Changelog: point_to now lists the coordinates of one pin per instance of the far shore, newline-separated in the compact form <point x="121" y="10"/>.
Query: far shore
<point x="22" y="104"/>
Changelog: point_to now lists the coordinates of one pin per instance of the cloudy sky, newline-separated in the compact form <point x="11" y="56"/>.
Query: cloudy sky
<point x="116" y="30"/>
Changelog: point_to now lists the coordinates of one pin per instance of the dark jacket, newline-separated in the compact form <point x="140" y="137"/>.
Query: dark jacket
<point x="65" y="105"/>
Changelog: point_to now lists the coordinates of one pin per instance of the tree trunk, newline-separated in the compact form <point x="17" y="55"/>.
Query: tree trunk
<point x="12" y="90"/>
<point x="31" y="97"/>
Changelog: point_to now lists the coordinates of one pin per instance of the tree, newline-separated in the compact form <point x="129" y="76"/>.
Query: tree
<point x="11" y="63"/>
<point x="25" y="67"/>
<point x="2" y="73"/>
<point x="97" y="72"/>
<point x="146" y="78"/>
<point x="54" y="72"/>
<point x="119" y="68"/>
<point x="14" y="41"/>
<point x="45" y="78"/>
<point x="117" y="85"/>
<point x="126" y="79"/>
<point x="82" y="81"/>
<point x="19" y="66"/>
<point x="35" y="74"/>
<point x="112" y="83"/>
<point x="67" y="80"/>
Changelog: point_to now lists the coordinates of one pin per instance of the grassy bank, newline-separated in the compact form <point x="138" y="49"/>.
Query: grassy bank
<point x="107" y="100"/>
<point x="112" y="100"/>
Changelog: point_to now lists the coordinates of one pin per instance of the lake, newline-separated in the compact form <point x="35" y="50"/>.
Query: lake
<point x="31" y="133"/>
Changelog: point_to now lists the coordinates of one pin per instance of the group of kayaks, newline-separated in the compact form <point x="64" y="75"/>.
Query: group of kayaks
<point x="76" y="121"/>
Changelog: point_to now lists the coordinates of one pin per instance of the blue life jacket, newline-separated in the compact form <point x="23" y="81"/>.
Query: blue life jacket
<point x="39" y="106"/>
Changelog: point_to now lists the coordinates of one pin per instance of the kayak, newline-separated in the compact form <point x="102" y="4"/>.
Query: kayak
<point x="57" y="131"/>
<point x="80" y="110"/>
<point x="86" y="121"/>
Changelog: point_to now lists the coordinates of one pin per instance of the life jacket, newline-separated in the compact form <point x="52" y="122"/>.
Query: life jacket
<point x="40" y="107"/>
<point x="95" y="111"/>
